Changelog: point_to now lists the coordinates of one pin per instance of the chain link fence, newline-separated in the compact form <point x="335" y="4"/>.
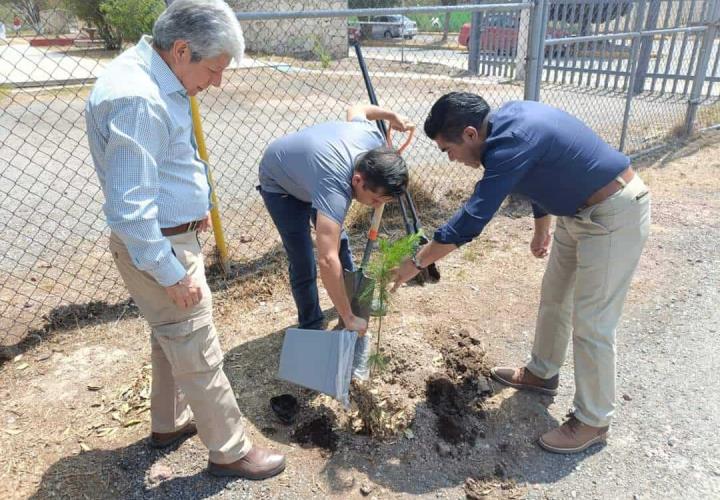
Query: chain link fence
<point x="584" y="56"/>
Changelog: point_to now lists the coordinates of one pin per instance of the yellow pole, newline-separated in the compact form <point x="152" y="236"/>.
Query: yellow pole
<point x="214" y="212"/>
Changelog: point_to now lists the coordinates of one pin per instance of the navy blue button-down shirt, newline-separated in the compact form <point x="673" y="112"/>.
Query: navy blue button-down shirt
<point x="539" y="152"/>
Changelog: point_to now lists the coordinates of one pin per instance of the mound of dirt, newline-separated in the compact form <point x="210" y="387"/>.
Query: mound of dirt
<point x="456" y="396"/>
<point x="318" y="432"/>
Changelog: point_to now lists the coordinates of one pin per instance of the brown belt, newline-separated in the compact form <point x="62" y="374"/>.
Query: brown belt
<point x="610" y="188"/>
<point x="182" y="228"/>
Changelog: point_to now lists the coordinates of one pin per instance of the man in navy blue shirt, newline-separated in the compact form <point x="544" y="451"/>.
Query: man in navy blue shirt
<point x="603" y="220"/>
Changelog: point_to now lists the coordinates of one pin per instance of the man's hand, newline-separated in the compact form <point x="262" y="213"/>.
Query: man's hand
<point x="400" y="123"/>
<point x="205" y="224"/>
<point x="540" y="244"/>
<point x="404" y="273"/>
<point x="356" y="324"/>
<point x="185" y="293"/>
<point x="372" y="113"/>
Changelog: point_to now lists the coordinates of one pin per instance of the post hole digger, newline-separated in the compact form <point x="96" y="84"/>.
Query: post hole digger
<point x="411" y="221"/>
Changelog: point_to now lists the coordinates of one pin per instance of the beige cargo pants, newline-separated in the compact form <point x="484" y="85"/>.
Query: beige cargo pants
<point x="187" y="376"/>
<point x="592" y="260"/>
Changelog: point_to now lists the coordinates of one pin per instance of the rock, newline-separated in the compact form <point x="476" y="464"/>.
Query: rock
<point x="627" y="397"/>
<point x="158" y="473"/>
<point x="443" y="449"/>
<point x="366" y="489"/>
<point x="483" y="386"/>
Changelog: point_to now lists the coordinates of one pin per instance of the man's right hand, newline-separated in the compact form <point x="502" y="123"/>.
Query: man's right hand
<point x="355" y="324"/>
<point x="185" y="293"/>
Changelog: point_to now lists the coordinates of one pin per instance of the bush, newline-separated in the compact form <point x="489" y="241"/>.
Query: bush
<point x="131" y="18"/>
<point x="118" y="20"/>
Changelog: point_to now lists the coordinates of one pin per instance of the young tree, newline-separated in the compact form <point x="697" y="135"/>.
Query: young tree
<point x="90" y="12"/>
<point x="131" y="19"/>
<point x="29" y="11"/>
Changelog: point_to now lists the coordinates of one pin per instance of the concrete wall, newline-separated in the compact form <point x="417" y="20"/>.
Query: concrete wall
<point x="302" y="37"/>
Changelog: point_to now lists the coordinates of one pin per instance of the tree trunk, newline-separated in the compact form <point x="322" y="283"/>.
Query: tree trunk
<point x="446" y="27"/>
<point x="31" y="12"/>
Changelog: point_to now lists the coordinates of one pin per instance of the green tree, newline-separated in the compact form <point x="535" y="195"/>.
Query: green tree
<point x="118" y="20"/>
<point x="28" y="11"/>
<point x="90" y="12"/>
<point x="131" y="19"/>
<point x="388" y="257"/>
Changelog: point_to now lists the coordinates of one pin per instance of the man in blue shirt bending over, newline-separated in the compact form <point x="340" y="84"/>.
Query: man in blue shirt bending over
<point x="603" y="220"/>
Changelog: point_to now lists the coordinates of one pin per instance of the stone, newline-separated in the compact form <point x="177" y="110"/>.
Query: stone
<point x="159" y="473"/>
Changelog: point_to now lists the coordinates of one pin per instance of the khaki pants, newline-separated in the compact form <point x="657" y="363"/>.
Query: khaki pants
<point x="187" y="376"/>
<point x="592" y="260"/>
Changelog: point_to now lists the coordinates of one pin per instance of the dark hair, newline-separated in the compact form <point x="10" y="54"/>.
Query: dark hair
<point x="383" y="170"/>
<point x="453" y="112"/>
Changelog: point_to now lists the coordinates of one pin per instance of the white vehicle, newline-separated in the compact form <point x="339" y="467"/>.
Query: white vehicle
<point x="395" y="26"/>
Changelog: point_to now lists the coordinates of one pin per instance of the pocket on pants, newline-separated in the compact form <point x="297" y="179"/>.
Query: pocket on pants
<point x="196" y="352"/>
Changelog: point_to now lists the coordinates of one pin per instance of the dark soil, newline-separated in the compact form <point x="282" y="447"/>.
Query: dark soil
<point x="318" y="432"/>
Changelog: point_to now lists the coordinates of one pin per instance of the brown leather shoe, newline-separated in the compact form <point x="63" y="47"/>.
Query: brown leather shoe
<point x="259" y="463"/>
<point x="524" y="379"/>
<point x="573" y="436"/>
<point x="165" y="439"/>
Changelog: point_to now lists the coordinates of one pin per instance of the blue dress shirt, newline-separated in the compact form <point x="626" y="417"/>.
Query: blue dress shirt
<point x="539" y="152"/>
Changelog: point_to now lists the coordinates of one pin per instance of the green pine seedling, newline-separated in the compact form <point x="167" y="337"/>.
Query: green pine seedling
<point x="388" y="257"/>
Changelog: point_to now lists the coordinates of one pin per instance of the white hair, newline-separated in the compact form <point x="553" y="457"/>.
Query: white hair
<point x="209" y="26"/>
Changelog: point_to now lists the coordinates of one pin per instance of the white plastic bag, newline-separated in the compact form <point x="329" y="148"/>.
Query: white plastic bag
<point x="320" y="360"/>
<point x="363" y="346"/>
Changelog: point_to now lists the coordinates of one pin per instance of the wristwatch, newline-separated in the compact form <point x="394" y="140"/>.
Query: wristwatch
<point x="416" y="262"/>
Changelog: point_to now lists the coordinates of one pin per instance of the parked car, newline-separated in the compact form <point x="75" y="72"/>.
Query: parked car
<point x="499" y="35"/>
<point x="394" y="26"/>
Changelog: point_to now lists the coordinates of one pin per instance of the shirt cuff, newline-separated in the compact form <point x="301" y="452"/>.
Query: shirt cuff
<point x="447" y="236"/>
<point x="538" y="211"/>
<point x="169" y="272"/>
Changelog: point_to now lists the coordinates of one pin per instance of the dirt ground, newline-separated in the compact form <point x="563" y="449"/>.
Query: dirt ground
<point x="74" y="409"/>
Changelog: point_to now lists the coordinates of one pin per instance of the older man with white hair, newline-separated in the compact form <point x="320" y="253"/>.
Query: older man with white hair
<point x="157" y="199"/>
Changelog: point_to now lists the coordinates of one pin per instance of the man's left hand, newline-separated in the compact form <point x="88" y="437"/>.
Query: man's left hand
<point x="401" y="123"/>
<point x="404" y="273"/>
<point x="205" y="224"/>
<point x="540" y="244"/>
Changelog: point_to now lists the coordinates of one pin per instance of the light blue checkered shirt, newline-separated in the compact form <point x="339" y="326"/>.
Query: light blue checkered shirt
<point x="141" y="139"/>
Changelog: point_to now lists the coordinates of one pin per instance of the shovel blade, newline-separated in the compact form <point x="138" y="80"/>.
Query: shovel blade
<point x="358" y="284"/>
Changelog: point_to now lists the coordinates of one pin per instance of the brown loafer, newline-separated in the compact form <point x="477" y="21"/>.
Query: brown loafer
<point x="259" y="463"/>
<point x="165" y="439"/>
<point x="523" y="379"/>
<point x="573" y="436"/>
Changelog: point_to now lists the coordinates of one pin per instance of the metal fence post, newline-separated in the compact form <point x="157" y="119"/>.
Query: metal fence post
<point x="634" y="53"/>
<point x="474" y="42"/>
<point x="536" y="50"/>
<point x="646" y="47"/>
<point x="522" y="45"/>
<point x="701" y="67"/>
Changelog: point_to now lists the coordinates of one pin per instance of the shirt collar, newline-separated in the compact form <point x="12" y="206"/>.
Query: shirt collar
<point x="159" y="70"/>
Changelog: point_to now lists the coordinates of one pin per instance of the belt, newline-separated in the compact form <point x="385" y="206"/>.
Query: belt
<point x="182" y="228"/>
<point x="610" y="188"/>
